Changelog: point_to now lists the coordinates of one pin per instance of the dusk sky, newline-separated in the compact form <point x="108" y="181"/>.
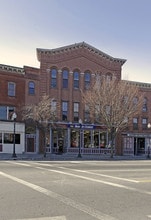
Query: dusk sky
<point x="120" y="28"/>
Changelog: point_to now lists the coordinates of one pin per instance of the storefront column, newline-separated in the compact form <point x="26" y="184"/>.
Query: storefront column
<point x="37" y="140"/>
<point x="50" y="140"/>
<point x="68" y="138"/>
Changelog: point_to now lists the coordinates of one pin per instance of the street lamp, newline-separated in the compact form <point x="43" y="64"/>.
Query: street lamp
<point x="148" y="150"/>
<point x="80" y="123"/>
<point x="14" y="116"/>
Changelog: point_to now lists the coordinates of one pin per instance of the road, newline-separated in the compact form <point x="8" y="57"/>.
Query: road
<point x="75" y="190"/>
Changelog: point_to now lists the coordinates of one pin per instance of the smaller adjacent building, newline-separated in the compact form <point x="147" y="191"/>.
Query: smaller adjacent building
<point x="7" y="137"/>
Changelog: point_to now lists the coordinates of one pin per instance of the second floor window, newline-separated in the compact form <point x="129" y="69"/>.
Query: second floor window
<point x="144" y="123"/>
<point x="11" y="89"/>
<point x="31" y="88"/>
<point x="65" y="78"/>
<point x="76" y="80"/>
<point x="53" y="78"/>
<point x="6" y="112"/>
<point x="135" y="123"/>
<point x="87" y="114"/>
<point x="76" y="112"/>
<point x="64" y="111"/>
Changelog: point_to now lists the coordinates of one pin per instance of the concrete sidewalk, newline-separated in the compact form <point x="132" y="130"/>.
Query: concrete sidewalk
<point x="49" y="157"/>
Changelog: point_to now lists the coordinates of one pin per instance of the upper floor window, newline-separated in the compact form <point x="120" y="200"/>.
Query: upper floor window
<point x="31" y="88"/>
<point x="87" y="114"/>
<point x="53" y="78"/>
<point x="65" y="78"/>
<point x="11" y="89"/>
<point x="108" y="77"/>
<point x="145" y="105"/>
<point x="64" y="110"/>
<point x="135" y="123"/>
<point x="54" y="107"/>
<point x="87" y="78"/>
<point x="144" y="123"/>
<point x="76" y="77"/>
<point x="76" y="112"/>
<point x="6" y="112"/>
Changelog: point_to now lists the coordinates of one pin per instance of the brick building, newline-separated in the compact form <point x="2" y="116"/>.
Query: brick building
<point x="62" y="73"/>
<point x="12" y="97"/>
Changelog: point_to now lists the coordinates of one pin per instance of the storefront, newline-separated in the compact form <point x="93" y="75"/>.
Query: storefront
<point x="136" y="144"/>
<point x="7" y="137"/>
<point x="68" y="138"/>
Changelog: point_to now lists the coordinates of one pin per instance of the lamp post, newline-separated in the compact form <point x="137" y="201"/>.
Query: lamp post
<point x="148" y="150"/>
<point x="14" y="116"/>
<point x="79" y="154"/>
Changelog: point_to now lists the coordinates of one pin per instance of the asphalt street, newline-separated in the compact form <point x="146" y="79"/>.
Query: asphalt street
<point x="75" y="190"/>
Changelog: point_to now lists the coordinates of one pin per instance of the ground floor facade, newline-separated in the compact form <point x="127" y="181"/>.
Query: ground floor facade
<point x="72" y="139"/>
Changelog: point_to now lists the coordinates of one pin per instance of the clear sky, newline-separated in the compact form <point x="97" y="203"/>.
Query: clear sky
<point x="120" y="28"/>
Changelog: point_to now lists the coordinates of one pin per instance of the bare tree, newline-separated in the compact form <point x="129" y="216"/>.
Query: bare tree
<point x="42" y="115"/>
<point x="113" y="103"/>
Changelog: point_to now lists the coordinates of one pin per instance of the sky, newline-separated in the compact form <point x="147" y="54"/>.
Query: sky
<point x="120" y="28"/>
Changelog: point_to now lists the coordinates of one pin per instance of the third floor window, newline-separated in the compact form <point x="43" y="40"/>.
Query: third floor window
<point x="87" y="78"/>
<point x="76" y="80"/>
<point x="65" y="78"/>
<point x="53" y="78"/>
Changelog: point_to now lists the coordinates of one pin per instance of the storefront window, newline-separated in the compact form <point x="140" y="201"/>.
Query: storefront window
<point x="75" y="138"/>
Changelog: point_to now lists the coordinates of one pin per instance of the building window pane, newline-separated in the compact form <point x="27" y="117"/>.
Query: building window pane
<point x="65" y="78"/>
<point x="31" y="88"/>
<point x="135" y="123"/>
<point x="11" y="89"/>
<point x="87" y="77"/>
<point x="76" y="80"/>
<point x="6" y="112"/>
<point x="64" y="111"/>
<point x="87" y="114"/>
<point x="145" y="105"/>
<point x="53" y="78"/>
<point x="9" y="138"/>
<point x="76" y="112"/>
<point x="144" y="123"/>
<point x="3" y="112"/>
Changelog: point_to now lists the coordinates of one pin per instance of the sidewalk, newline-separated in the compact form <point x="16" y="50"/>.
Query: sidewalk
<point x="52" y="157"/>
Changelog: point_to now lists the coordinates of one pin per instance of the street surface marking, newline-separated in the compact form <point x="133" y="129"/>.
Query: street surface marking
<point x="79" y="206"/>
<point x="99" y="174"/>
<point x="144" y="181"/>
<point x="45" y="218"/>
<point x="99" y="181"/>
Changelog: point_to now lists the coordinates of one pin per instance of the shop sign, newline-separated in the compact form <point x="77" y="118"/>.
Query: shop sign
<point x="83" y="126"/>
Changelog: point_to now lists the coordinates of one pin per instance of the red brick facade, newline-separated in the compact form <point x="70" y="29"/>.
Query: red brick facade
<point x="82" y="58"/>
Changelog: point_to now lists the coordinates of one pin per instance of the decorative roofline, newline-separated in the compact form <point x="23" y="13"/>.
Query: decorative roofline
<point x="139" y="84"/>
<point x="12" y="69"/>
<point x="77" y="46"/>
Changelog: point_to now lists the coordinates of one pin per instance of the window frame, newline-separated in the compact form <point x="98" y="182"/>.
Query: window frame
<point x="11" y="89"/>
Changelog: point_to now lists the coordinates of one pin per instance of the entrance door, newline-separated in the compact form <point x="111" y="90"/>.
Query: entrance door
<point x="30" y="143"/>
<point x="139" y="146"/>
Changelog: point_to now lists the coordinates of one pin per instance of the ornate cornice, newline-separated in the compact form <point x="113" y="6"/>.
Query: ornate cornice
<point x="12" y="69"/>
<point x="139" y="84"/>
<point x="76" y="46"/>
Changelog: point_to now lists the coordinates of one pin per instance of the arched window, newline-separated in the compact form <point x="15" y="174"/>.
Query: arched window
<point x="53" y="78"/>
<point x="65" y="74"/>
<point x="76" y="77"/>
<point x="87" y="79"/>
<point x="31" y="88"/>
